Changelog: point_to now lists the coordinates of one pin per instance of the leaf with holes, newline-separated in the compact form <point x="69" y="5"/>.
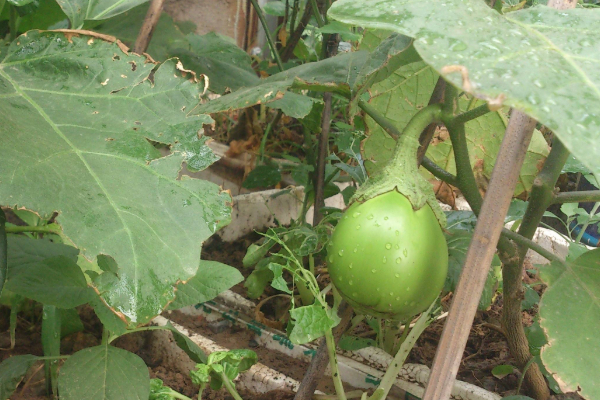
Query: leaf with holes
<point x="570" y="317"/>
<point x="79" y="118"/>
<point x="541" y="59"/>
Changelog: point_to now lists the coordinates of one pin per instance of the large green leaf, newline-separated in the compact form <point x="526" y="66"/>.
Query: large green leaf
<point x="77" y="120"/>
<point x="104" y="373"/>
<point x="537" y="58"/>
<point x="484" y="137"/>
<point x="211" y="279"/>
<point x="55" y="281"/>
<point x="347" y="73"/>
<point x="81" y="10"/>
<point x="219" y="58"/>
<point x="570" y="316"/>
<point x="12" y="371"/>
<point x="398" y="98"/>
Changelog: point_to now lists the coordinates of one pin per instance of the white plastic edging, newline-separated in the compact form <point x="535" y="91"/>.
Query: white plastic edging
<point x="258" y="379"/>
<point x="362" y="369"/>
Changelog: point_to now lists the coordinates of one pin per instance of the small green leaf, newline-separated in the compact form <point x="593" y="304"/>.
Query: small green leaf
<point x="278" y="282"/>
<point x="310" y="323"/>
<point x="186" y="344"/>
<point x="501" y="371"/>
<point x="201" y="374"/>
<point x="12" y="371"/>
<point x="258" y="280"/>
<point x="104" y="373"/>
<point x="531" y="298"/>
<point x="70" y="322"/>
<point x="211" y="279"/>
<point x="263" y="176"/>
<point x="256" y="252"/>
<point x="352" y="343"/>
<point x="107" y="264"/>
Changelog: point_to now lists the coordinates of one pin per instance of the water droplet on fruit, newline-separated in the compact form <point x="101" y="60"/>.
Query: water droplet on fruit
<point x="350" y="282"/>
<point x="397" y="246"/>
<point x="391" y="293"/>
<point x="356" y="214"/>
<point x="397" y="275"/>
<point x="341" y="253"/>
<point x="378" y="289"/>
<point x="397" y="298"/>
<point x="357" y="227"/>
<point x="345" y="217"/>
<point x="350" y="266"/>
<point x="371" y="216"/>
<point x="384" y="260"/>
<point x="388" y="246"/>
<point x="386" y="218"/>
<point x="408" y="289"/>
<point x="330" y="258"/>
<point x="355" y="249"/>
<point x="406" y="303"/>
<point x="405" y="253"/>
<point x="397" y="233"/>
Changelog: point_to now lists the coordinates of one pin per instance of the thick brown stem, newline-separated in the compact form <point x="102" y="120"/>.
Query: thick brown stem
<point x="295" y="37"/>
<point x="152" y="16"/>
<point x="479" y="256"/>
<point x="319" y="181"/>
<point x="512" y="324"/>
<point x="320" y="360"/>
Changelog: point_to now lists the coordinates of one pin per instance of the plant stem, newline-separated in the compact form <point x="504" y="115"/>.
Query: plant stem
<point x="265" y="26"/>
<point x="530" y="244"/>
<point x="180" y="396"/>
<point x="382" y="121"/>
<point x="317" y="14"/>
<point x="425" y="139"/>
<point x="263" y="142"/>
<point x="464" y="172"/>
<point x="323" y="149"/>
<point x="51" y="345"/>
<point x="318" y="364"/>
<point x="584" y="227"/>
<point x="439" y="172"/>
<point x="583" y="196"/>
<point x="147" y="29"/>
<point x="200" y="390"/>
<point x="3" y="250"/>
<point x="472" y="114"/>
<point x="394" y="368"/>
<point x="333" y="365"/>
<point x="296" y="35"/>
<point x="230" y="387"/>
